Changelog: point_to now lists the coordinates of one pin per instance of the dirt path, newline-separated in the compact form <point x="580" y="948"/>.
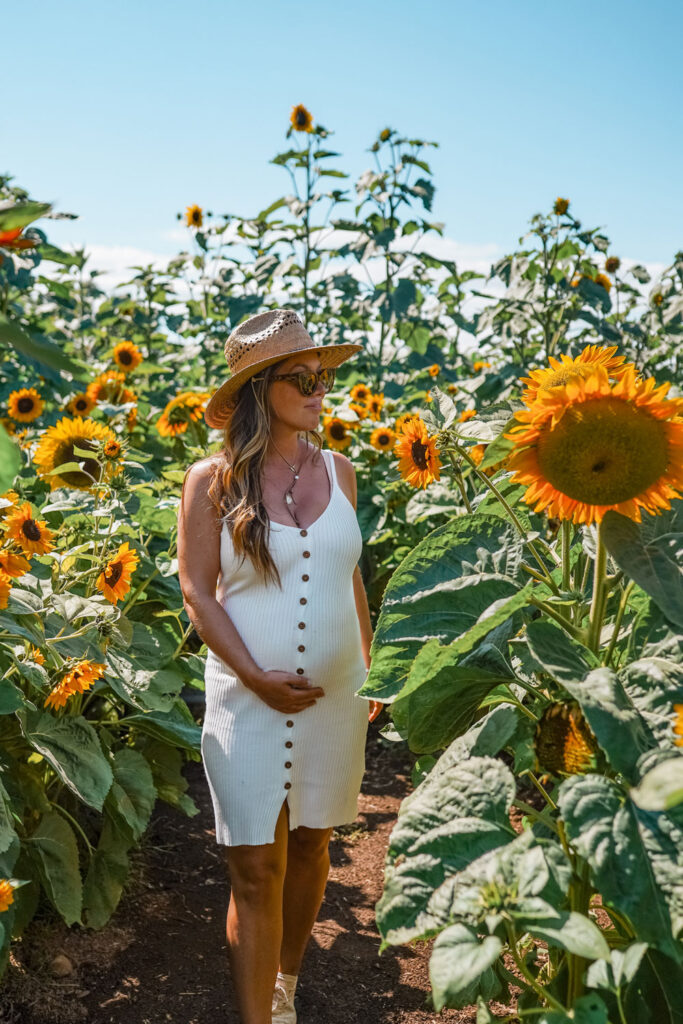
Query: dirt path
<point x="163" y="956"/>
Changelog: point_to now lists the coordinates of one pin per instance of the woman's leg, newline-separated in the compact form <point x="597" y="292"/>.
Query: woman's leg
<point x="254" y="924"/>
<point x="308" y="865"/>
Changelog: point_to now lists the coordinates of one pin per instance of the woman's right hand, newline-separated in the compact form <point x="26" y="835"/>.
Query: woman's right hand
<point x="285" y="691"/>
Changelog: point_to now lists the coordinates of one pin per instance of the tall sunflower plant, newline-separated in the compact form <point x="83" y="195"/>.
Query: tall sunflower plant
<point x="94" y="656"/>
<point x="530" y="653"/>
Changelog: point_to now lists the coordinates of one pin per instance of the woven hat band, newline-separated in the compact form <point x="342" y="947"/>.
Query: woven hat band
<point x="241" y="352"/>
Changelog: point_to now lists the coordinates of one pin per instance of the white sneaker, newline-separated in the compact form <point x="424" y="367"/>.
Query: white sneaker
<point x="283" y="1011"/>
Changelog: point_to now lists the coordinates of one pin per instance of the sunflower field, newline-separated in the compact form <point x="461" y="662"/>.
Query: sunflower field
<point x="518" y="443"/>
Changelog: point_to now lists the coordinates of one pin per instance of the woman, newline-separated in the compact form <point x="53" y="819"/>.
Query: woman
<point x="288" y="630"/>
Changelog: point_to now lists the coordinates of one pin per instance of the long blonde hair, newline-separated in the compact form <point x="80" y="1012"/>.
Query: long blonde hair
<point x="235" y="487"/>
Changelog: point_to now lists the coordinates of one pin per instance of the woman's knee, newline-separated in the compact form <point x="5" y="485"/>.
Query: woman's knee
<point x="310" y="842"/>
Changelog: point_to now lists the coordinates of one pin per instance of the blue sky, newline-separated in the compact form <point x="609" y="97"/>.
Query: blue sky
<point x="126" y="112"/>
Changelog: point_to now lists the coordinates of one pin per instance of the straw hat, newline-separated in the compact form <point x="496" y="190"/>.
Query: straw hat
<point x="259" y="341"/>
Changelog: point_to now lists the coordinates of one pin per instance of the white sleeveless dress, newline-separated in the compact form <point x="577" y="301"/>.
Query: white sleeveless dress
<point x="254" y="756"/>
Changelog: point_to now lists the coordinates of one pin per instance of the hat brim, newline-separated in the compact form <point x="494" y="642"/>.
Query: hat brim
<point x="222" y="401"/>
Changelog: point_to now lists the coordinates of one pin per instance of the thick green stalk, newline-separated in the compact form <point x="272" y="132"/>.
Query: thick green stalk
<point x="599" y="594"/>
<point x="457" y="476"/>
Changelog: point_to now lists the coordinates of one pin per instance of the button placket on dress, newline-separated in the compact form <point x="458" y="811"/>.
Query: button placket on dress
<point x="301" y="647"/>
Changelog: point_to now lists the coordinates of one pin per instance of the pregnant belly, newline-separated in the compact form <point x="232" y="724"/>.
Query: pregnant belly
<point x="330" y="637"/>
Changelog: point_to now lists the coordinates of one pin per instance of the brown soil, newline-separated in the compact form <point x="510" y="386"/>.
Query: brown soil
<point x="163" y="956"/>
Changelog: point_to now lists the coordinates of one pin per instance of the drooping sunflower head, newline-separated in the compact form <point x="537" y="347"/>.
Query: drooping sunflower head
<point x="467" y="414"/>
<point x="612" y="264"/>
<point x="385" y="135"/>
<point x="374" y="405"/>
<point x="595" y="445"/>
<point x="564" y="743"/>
<point x="193" y="216"/>
<point x="480" y="364"/>
<point x="186" y="407"/>
<point x="24" y="405"/>
<point x="337" y="432"/>
<point x="419" y="461"/>
<point x="360" y="410"/>
<point x="561" y="371"/>
<point x="57" y="447"/>
<point x="603" y="280"/>
<point x="79" y="678"/>
<point x="114" y="580"/>
<point x="301" y="119"/>
<point x="107" y="387"/>
<point x="81" y="404"/>
<point x="561" y="206"/>
<point x="434" y="370"/>
<point x="127" y="356"/>
<point x="31" y="534"/>
<point x="383" y="439"/>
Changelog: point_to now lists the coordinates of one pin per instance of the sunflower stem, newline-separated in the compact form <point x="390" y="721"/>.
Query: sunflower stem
<point x="524" y="971"/>
<point x="566" y="544"/>
<point x="462" y="452"/>
<point x="599" y="593"/>
<point x="617" y="622"/>
<point x="574" y="631"/>
<point x="457" y="476"/>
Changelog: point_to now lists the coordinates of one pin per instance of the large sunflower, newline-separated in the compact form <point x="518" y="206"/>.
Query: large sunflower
<point x="594" y="444"/>
<point x="77" y="680"/>
<point x="32" y="535"/>
<point x="185" y="407"/>
<point x="383" y="438"/>
<point x="56" y="447"/>
<point x="127" y="356"/>
<point x="301" y="119"/>
<point x="114" y="580"/>
<point x="24" y="405"/>
<point x="337" y="432"/>
<point x="419" y="461"/>
<point x="565" y="369"/>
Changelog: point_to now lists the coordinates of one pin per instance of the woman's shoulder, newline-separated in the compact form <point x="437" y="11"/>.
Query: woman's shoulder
<point x="205" y="469"/>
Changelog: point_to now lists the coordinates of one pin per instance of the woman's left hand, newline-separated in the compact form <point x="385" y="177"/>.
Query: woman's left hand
<point x="375" y="708"/>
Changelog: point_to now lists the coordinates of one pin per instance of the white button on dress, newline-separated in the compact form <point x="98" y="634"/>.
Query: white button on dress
<point x="254" y="756"/>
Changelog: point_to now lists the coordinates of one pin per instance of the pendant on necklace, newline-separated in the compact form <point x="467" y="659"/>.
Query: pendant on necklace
<point x="289" y="499"/>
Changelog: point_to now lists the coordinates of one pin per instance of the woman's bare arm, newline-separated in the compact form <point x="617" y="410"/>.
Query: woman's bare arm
<point x="198" y="570"/>
<point x="199" y="535"/>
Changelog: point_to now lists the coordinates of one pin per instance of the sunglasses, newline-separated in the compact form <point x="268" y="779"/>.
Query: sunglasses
<point x="307" y="380"/>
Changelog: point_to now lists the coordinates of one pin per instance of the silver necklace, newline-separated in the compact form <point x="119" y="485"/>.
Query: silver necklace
<point x="288" y="496"/>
